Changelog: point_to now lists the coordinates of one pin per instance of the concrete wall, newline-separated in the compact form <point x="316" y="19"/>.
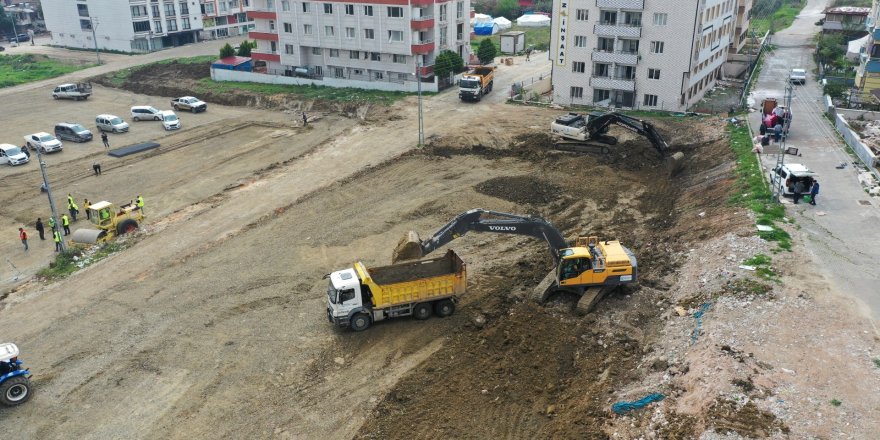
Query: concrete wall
<point x="855" y="142"/>
<point x="406" y="86"/>
<point x="851" y="114"/>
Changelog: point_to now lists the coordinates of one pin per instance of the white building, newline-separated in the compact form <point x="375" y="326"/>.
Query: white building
<point x="225" y="18"/>
<point x="376" y="41"/>
<point x="638" y="54"/>
<point x="127" y="26"/>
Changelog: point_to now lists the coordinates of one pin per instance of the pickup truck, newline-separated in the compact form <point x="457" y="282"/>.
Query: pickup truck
<point x="193" y="104"/>
<point x="473" y="85"/>
<point x="75" y="92"/>
<point x="359" y="296"/>
<point x="45" y="142"/>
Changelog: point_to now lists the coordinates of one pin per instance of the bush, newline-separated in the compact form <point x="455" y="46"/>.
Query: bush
<point x="487" y="51"/>
<point x="244" y="49"/>
<point x="227" y="51"/>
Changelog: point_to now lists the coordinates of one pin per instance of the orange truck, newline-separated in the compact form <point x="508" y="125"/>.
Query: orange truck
<point x="476" y="83"/>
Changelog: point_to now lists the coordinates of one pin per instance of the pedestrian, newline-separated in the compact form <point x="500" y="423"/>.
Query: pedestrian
<point x="528" y="53"/>
<point x="106" y="142"/>
<point x="798" y="190"/>
<point x="65" y="222"/>
<point x="31" y="36"/>
<point x="814" y="191"/>
<point x="72" y="207"/>
<point x="96" y="167"/>
<point x="57" y="236"/>
<point x="86" y="205"/>
<point x="777" y="133"/>
<point x="52" y="223"/>
<point x="305" y="119"/>
<point x="762" y="129"/>
<point x="23" y="236"/>
<point x="39" y="228"/>
<point x="140" y="203"/>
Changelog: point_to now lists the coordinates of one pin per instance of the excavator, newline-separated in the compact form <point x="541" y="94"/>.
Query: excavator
<point x="590" y="267"/>
<point x="589" y="134"/>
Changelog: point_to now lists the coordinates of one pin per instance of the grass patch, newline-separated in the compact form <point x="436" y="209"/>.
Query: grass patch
<point x="201" y="59"/>
<point x="347" y="94"/>
<point x="758" y="260"/>
<point x="762" y="266"/>
<point x="835" y="402"/>
<point x="83" y="49"/>
<point x="75" y="259"/>
<point x="20" y="69"/>
<point x="774" y="15"/>
<point x="539" y="37"/>
<point x="877" y="362"/>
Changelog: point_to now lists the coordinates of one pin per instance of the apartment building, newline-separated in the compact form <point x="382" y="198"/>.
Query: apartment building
<point x="741" y="29"/>
<point x="638" y="54"/>
<point x="868" y="72"/>
<point x="127" y="26"/>
<point x="225" y="18"/>
<point x="382" y="40"/>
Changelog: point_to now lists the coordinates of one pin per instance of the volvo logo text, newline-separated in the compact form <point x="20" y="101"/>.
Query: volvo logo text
<point x="502" y="228"/>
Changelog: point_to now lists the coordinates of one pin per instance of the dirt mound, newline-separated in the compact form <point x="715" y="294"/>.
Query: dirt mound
<point x="526" y="190"/>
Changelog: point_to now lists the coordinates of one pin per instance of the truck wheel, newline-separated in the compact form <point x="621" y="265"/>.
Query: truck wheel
<point x="126" y="226"/>
<point x="422" y="311"/>
<point x="444" y="308"/>
<point x="360" y="322"/>
<point x="15" y="391"/>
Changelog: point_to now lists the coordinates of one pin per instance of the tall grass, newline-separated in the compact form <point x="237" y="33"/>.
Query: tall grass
<point x="20" y="69"/>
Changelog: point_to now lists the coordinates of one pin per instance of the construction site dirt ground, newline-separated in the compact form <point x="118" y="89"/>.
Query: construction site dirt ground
<point x="212" y="323"/>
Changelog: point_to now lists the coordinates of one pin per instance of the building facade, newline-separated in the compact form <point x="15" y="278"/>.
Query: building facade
<point x="129" y="26"/>
<point x="868" y="72"/>
<point x="638" y="54"/>
<point x="26" y="15"/>
<point x="741" y="28"/>
<point x="225" y="18"/>
<point x="385" y="40"/>
<point x="845" y="19"/>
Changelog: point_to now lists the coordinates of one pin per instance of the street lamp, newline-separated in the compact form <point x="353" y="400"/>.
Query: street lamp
<point x="51" y="200"/>
<point x="94" y="24"/>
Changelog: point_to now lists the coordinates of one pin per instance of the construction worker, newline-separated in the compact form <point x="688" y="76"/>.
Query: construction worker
<point x="105" y="216"/>
<point x="72" y="207"/>
<point x="140" y="203"/>
<point x="23" y="236"/>
<point x="51" y="223"/>
<point x="57" y="241"/>
<point x="87" y="204"/>
<point x="65" y="223"/>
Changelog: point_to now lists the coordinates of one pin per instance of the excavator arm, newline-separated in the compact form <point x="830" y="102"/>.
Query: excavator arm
<point x="412" y="247"/>
<point x="597" y="125"/>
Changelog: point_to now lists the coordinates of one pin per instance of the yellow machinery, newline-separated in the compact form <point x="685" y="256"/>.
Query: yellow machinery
<point x="109" y="221"/>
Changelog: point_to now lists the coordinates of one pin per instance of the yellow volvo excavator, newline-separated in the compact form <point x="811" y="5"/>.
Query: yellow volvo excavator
<point x="590" y="267"/>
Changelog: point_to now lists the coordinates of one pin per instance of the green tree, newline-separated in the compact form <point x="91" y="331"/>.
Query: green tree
<point x="447" y="63"/>
<point x="506" y="8"/>
<point x="244" y="49"/>
<point x="487" y="51"/>
<point x="5" y="22"/>
<point x="227" y="51"/>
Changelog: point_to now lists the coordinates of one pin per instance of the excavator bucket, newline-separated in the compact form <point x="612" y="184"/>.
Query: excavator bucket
<point x="675" y="163"/>
<point x="87" y="236"/>
<point x="408" y="248"/>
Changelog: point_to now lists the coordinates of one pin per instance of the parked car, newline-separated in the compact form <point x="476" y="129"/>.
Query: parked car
<point x="798" y="76"/>
<point x="145" y="113"/>
<point x="111" y="123"/>
<point x="19" y="38"/>
<point x="73" y="91"/>
<point x="170" y="120"/>
<point x="784" y="178"/>
<point x="191" y="103"/>
<point x="12" y="155"/>
<point x="72" y="132"/>
<point x="43" y="141"/>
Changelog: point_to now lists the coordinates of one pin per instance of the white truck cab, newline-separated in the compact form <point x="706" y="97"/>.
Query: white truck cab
<point x="343" y="295"/>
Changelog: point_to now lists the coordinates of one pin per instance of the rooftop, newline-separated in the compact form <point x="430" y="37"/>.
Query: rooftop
<point x="848" y="10"/>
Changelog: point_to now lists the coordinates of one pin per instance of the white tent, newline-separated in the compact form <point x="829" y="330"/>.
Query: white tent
<point x="533" y="20"/>
<point x="854" y="48"/>
<point x="480" y="18"/>
<point x="502" y="23"/>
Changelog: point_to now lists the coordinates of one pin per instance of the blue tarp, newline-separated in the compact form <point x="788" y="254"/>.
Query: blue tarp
<point x="485" y="28"/>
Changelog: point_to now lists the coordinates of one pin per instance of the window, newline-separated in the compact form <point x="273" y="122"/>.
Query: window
<point x="395" y="36"/>
<point x="607" y="17"/>
<point x="401" y="59"/>
<point x="653" y="73"/>
<point x="307" y="7"/>
<point x="353" y="54"/>
<point x="329" y="31"/>
<point x="338" y="72"/>
<point x="157" y="26"/>
<point x="632" y="18"/>
<point x="577" y="92"/>
<point x="137" y="11"/>
<point x="273" y="46"/>
<point x="378" y="75"/>
<point x="169" y="9"/>
<point x="85" y="25"/>
<point x="349" y="9"/>
<point x="656" y="47"/>
<point x="605" y="45"/>
<point x="625" y="72"/>
<point x="600" y="95"/>
<point x="660" y="19"/>
<point x="375" y="56"/>
<point x="184" y="8"/>
<point x="578" y="67"/>
<point x="83" y="10"/>
<point x="288" y="49"/>
<point x="334" y="53"/>
<point x="222" y="6"/>
<point x="580" y="41"/>
<point x="650" y="100"/>
<point x="328" y="8"/>
<point x="319" y="70"/>
<point x="155" y="10"/>
<point x="142" y="26"/>
<point x="307" y="29"/>
<point x="629" y="46"/>
<point x="209" y="8"/>
<point x="582" y="14"/>
<point x="271" y="25"/>
<point x="288" y="28"/>
<point x="172" y="25"/>
<point x="601" y="70"/>
<point x="285" y="5"/>
<point x="459" y="10"/>
<point x="184" y="23"/>
<point x="395" y="12"/>
<point x="317" y="51"/>
<point x="369" y="34"/>
<point x="368" y="11"/>
<point x="442" y="13"/>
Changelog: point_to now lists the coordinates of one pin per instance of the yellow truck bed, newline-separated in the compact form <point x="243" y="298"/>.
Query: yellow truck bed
<point x="416" y="281"/>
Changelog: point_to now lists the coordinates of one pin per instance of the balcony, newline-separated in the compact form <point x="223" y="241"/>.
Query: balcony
<point x="423" y="47"/>
<point x="266" y="57"/>
<point x="614" y="83"/>
<point x="422" y="23"/>
<point x="268" y="36"/>
<point x="621" y="4"/>
<point x="264" y="14"/>
<point x="616" y="57"/>
<point x="618" y="30"/>
<point x="426" y="70"/>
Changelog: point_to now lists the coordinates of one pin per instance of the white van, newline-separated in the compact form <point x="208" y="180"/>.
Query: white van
<point x="145" y="113"/>
<point x="111" y="123"/>
<point x="785" y="177"/>
<point x="170" y="120"/>
<point x="12" y="155"/>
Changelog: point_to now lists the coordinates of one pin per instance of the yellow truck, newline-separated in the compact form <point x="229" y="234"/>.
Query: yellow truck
<point x="359" y="296"/>
<point x="476" y="83"/>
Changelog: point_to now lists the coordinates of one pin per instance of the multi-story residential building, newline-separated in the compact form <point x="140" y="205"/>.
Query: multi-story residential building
<point x="25" y="15"/>
<point x="868" y="73"/>
<point x="741" y="29"/>
<point x="128" y="26"/>
<point x="225" y="18"/>
<point x="367" y="40"/>
<point x="637" y="53"/>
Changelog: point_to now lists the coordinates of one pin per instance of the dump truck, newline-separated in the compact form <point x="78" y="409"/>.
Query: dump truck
<point x="359" y="296"/>
<point x="108" y="222"/>
<point x="473" y="85"/>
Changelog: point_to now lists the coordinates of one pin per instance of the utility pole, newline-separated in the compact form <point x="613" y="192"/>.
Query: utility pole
<point x="786" y="122"/>
<point x="51" y="200"/>
<point x="94" y="22"/>
<point x="421" y="121"/>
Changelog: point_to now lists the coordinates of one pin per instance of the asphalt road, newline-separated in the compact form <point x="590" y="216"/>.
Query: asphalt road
<point x="841" y="231"/>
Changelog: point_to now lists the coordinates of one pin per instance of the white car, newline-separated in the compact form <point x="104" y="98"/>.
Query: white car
<point x="145" y="113"/>
<point x="798" y="76"/>
<point x="111" y="123"/>
<point x="170" y="120"/>
<point x="12" y="155"/>
<point x="43" y="141"/>
<point x="784" y="178"/>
